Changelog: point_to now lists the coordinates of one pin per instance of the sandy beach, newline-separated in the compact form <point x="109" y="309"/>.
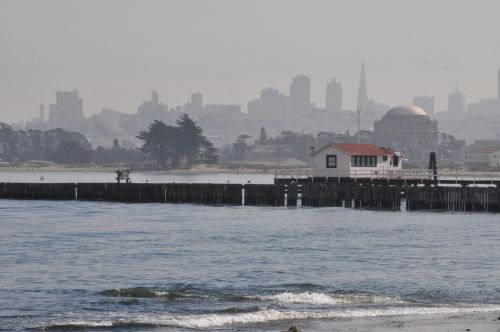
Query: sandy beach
<point x="198" y="169"/>
<point x="489" y="322"/>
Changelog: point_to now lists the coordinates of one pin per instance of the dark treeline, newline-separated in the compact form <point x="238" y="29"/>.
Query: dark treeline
<point x="288" y="144"/>
<point x="57" y="145"/>
<point x="116" y="154"/>
<point x="170" y="146"/>
<point x="54" y="145"/>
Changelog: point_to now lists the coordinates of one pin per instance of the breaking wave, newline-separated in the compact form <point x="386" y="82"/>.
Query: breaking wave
<point x="211" y="321"/>
<point x="139" y="292"/>
<point x="175" y="294"/>
<point x="310" y="298"/>
<point x="328" y="299"/>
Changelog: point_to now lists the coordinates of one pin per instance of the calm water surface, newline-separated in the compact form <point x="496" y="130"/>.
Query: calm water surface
<point x="165" y="267"/>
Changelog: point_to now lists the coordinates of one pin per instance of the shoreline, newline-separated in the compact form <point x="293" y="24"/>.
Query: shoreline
<point x="484" y="322"/>
<point x="111" y="169"/>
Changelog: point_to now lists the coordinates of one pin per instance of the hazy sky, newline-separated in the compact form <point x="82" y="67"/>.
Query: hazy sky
<point x="116" y="51"/>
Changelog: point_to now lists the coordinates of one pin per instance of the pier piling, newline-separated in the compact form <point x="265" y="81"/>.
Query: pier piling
<point x="357" y="195"/>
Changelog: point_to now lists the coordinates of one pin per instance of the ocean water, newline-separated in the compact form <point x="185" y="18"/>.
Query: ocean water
<point x="159" y="267"/>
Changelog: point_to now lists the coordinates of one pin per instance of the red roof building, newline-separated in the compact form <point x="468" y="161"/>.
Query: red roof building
<point x="354" y="160"/>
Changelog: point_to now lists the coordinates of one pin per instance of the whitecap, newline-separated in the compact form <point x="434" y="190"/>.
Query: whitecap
<point x="220" y="320"/>
<point x="311" y="298"/>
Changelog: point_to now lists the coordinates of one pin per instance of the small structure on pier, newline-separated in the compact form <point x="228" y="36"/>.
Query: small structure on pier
<point x="347" y="160"/>
<point x="122" y="175"/>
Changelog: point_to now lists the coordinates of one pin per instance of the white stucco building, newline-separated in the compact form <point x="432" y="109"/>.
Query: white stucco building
<point x="354" y="160"/>
<point x="486" y="156"/>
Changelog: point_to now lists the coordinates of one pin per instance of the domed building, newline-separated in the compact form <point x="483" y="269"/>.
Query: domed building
<point x="407" y="128"/>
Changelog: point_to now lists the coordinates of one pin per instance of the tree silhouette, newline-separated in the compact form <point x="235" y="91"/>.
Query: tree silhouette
<point x="191" y="137"/>
<point x="160" y="142"/>
<point x="263" y="136"/>
<point x="240" y="147"/>
<point x="171" y="145"/>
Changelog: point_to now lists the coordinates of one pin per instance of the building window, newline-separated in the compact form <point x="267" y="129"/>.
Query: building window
<point x="384" y="158"/>
<point x="331" y="161"/>
<point x="395" y="161"/>
<point x="364" y="161"/>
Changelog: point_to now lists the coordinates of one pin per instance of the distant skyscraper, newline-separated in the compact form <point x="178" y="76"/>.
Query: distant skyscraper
<point x="53" y="118"/>
<point x="197" y="102"/>
<point x="300" y="93"/>
<point x="68" y="109"/>
<point x="41" y="115"/>
<point x="426" y="103"/>
<point x="271" y="103"/>
<point x="362" y="91"/>
<point x="69" y="106"/>
<point x="333" y="96"/>
<point x="269" y="95"/>
<point x="456" y="102"/>
<point x="151" y="110"/>
<point x="195" y="106"/>
<point x="154" y="97"/>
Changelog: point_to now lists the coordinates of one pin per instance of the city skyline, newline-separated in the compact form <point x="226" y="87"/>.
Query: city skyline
<point x="300" y="99"/>
<point x="410" y="49"/>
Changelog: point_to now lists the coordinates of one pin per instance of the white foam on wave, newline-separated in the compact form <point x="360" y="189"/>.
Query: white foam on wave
<point x="160" y="293"/>
<point x="299" y="298"/>
<point x="80" y="324"/>
<point x="328" y="299"/>
<point x="212" y="321"/>
<point x="271" y="315"/>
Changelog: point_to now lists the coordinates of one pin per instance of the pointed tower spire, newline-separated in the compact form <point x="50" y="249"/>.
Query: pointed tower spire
<point x="362" y="91"/>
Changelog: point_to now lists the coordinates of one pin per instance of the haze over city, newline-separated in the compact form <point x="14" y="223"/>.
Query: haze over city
<point x="116" y="52"/>
<point x="249" y="165"/>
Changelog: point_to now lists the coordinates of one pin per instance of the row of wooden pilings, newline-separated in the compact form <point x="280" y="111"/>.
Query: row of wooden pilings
<point x="459" y="199"/>
<point x="382" y="197"/>
<point x="310" y="194"/>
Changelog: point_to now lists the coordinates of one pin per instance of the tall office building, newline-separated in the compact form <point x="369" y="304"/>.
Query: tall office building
<point x="68" y="109"/>
<point x="363" y="101"/>
<point x="53" y="118"/>
<point x="70" y="106"/>
<point x="41" y="114"/>
<point x="155" y="99"/>
<point x="300" y="94"/>
<point x="333" y="96"/>
<point x="426" y="103"/>
<point x="195" y="106"/>
<point x="151" y="110"/>
<point x="456" y="102"/>
<point x="271" y="103"/>
<point x="197" y="101"/>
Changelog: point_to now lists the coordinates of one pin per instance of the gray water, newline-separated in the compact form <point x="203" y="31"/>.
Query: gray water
<point x="142" y="267"/>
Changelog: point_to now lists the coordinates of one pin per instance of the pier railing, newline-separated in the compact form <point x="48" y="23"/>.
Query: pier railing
<point x="407" y="174"/>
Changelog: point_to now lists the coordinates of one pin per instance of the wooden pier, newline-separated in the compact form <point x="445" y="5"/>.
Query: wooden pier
<point x="362" y="195"/>
<point x="388" y="177"/>
<point x="458" y="199"/>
